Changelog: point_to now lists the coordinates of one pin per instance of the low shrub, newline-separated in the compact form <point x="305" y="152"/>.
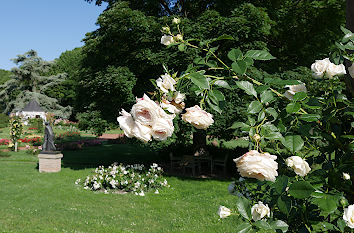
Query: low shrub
<point x="131" y="178"/>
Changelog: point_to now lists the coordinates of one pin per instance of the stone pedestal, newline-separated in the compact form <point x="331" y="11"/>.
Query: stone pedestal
<point x="50" y="162"/>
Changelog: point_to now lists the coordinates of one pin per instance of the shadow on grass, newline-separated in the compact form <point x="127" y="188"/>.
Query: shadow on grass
<point x="107" y="154"/>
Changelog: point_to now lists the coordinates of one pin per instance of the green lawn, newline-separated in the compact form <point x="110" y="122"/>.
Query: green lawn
<point x="35" y="202"/>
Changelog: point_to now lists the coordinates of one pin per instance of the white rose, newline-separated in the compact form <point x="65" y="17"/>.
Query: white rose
<point x="178" y="37"/>
<point x="351" y="70"/>
<point x="166" y="83"/>
<point x="299" y="165"/>
<point x="198" y="117"/>
<point x="162" y="129"/>
<point x="293" y="89"/>
<point x="179" y="97"/>
<point x="346" y="176"/>
<point x="145" y="111"/>
<point x="256" y="165"/>
<point x="126" y="123"/>
<point x="176" y="20"/>
<point x="320" y="67"/>
<point x="259" y="211"/>
<point x="224" y="212"/>
<point x="170" y="107"/>
<point x="333" y="70"/>
<point x="348" y="216"/>
<point x="167" y="40"/>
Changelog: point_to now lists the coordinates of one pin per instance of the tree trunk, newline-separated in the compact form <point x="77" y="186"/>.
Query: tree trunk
<point x="199" y="142"/>
<point x="350" y="25"/>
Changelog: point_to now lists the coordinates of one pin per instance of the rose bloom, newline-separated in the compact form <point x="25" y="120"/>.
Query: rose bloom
<point x="162" y="129"/>
<point x="166" y="83"/>
<point x="259" y="211"/>
<point x="198" y="117"/>
<point x="348" y="216"/>
<point x="293" y="89"/>
<point x="351" y="70"/>
<point x="145" y="111"/>
<point x="179" y="97"/>
<point x="333" y="70"/>
<point x="133" y="128"/>
<point x="224" y="212"/>
<point x="320" y="67"/>
<point x="346" y="176"/>
<point x="167" y="40"/>
<point x="261" y="166"/>
<point x="176" y="20"/>
<point x="299" y="165"/>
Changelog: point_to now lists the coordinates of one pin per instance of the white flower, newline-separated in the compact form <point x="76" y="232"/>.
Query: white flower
<point x="142" y="193"/>
<point x="126" y="123"/>
<point x="224" y="212"/>
<point x="256" y="165"/>
<point x="167" y="40"/>
<point x="170" y="107"/>
<point x="348" y="216"/>
<point x="176" y="20"/>
<point x="162" y="129"/>
<point x="293" y="89"/>
<point x="351" y="70"/>
<point x="333" y="70"/>
<point x="198" y="117"/>
<point x="320" y="67"/>
<point x="179" y="97"/>
<point x="178" y="37"/>
<point x="346" y="176"/>
<point x="299" y="165"/>
<point x="166" y="83"/>
<point x="259" y="211"/>
<point x="145" y="111"/>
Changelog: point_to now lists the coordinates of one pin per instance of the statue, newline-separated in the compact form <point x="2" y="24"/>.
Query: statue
<point x="48" y="145"/>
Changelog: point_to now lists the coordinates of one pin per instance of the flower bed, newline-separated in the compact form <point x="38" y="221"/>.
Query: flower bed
<point x="131" y="178"/>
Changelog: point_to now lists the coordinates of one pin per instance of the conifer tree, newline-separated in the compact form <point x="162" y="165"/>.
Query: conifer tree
<point x="28" y="82"/>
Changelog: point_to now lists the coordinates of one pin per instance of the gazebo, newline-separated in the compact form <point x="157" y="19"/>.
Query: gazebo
<point x="32" y="110"/>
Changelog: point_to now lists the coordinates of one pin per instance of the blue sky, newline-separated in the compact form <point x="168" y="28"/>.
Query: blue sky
<point x="48" y="26"/>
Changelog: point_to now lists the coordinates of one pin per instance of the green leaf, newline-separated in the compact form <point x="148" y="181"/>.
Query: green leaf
<point x="239" y="67"/>
<point x="247" y="87"/>
<point x="199" y="80"/>
<point x="243" y="207"/>
<point x="280" y="184"/>
<point x="234" y="54"/>
<point x="243" y="227"/>
<point x="309" y="117"/>
<point x="267" y="97"/>
<point x="326" y="202"/>
<point x="272" y="112"/>
<point x="293" y="143"/>
<point x="301" y="189"/>
<point x="293" y="107"/>
<point x="222" y="83"/>
<point x="299" y="96"/>
<point x="254" y="107"/>
<point x="279" y="225"/>
<point x="241" y="125"/>
<point x="284" y="204"/>
<point x="182" y="47"/>
<point x="259" y="55"/>
<point x="262" y="225"/>
<point x="219" y="95"/>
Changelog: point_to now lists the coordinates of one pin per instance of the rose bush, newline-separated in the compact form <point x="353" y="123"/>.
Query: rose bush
<point x="310" y="132"/>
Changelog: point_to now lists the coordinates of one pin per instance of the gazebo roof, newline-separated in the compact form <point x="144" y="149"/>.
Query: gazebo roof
<point x="32" y="106"/>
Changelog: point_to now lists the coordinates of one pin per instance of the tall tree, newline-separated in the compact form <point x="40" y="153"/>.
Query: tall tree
<point x="28" y="82"/>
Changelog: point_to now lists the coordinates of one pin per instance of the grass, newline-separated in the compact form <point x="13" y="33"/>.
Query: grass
<point x="34" y="202"/>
